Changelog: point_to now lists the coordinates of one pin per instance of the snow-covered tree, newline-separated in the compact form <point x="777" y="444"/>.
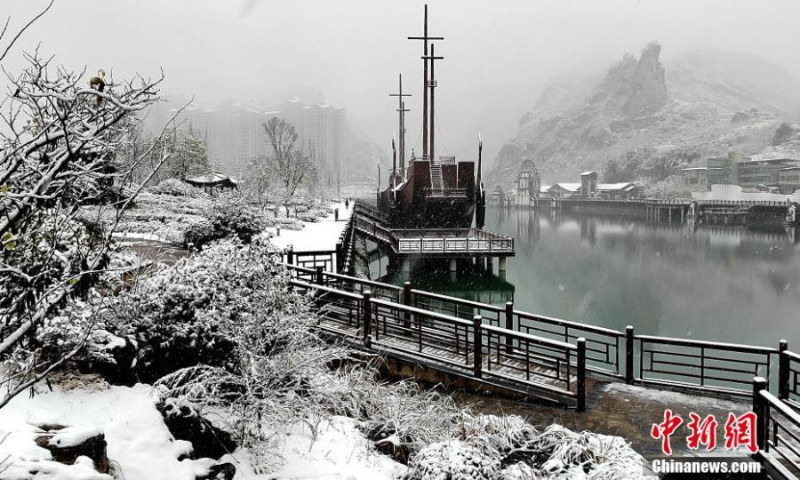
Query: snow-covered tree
<point x="58" y="154"/>
<point x="187" y="151"/>
<point x="291" y="164"/>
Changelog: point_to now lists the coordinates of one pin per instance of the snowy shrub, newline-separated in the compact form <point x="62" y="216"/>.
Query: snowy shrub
<point x="497" y="436"/>
<point x="561" y="453"/>
<point x="231" y="215"/>
<point x="179" y="315"/>
<point x="452" y="460"/>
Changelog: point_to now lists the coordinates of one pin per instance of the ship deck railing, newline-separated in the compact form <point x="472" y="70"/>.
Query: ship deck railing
<point x="446" y="192"/>
<point x="452" y="241"/>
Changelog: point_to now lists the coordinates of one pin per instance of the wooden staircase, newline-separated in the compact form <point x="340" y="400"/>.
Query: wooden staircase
<point x="436" y="175"/>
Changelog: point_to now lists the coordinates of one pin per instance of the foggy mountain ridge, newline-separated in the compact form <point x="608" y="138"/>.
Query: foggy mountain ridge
<point x="702" y="103"/>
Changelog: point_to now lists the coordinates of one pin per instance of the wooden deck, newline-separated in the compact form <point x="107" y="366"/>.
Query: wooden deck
<point x="511" y="361"/>
<point x="450" y="242"/>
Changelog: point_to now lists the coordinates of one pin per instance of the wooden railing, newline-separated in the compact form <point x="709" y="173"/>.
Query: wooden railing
<point x="452" y="241"/>
<point x="710" y="368"/>
<point x="514" y="355"/>
<point x="734" y="203"/>
<point x="446" y="192"/>
<point x="602" y="344"/>
<point x="362" y="208"/>
<point x="777" y="433"/>
<point x="789" y="373"/>
<point x="716" y="367"/>
<point x="515" y="360"/>
<point x="456" y="307"/>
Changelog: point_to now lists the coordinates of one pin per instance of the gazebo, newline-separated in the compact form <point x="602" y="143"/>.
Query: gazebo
<point x="213" y="182"/>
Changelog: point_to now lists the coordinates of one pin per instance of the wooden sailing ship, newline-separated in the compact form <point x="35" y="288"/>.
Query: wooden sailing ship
<point x="431" y="192"/>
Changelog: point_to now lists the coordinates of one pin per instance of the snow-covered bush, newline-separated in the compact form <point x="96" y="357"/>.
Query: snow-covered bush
<point x="497" y="436"/>
<point x="181" y="315"/>
<point x="452" y="460"/>
<point x="561" y="453"/>
<point x="230" y="215"/>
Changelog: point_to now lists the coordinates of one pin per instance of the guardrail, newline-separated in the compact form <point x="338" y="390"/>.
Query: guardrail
<point x="514" y="359"/>
<point x="759" y="203"/>
<point x="716" y="367"/>
<point x="603" y="345"/>
<point x="446" y="192"/>
<point x="777" y="433"/>
<point x="789" y="373"/>
<point x="474" y="241"/>
<point x="362" y="208"/>
<point x="512" y="355"/>
<point x="710" y="368"/>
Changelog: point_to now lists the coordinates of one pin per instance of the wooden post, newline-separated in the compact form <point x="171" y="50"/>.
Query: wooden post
<point x="477" y="345"/>
<point x="318" y="279"/>
<point x="783" y="371"/>
<point x="367" y="311"/>
<point x="335" y="214"/>
<point x="407" y="302"/>
<point x="509" y="326"/>
<point x="581" y="387"/>
<point x="339" y="256"/>
<point x="290" y="255"/>
<point x="761" y="409"/>
<point x="629" y="355"/>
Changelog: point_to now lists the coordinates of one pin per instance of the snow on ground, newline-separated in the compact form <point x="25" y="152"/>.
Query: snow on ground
<point x="318" y="236"/>
<point x="340" y="452"/>
<point x="142" y="447"/>
<point x="138" y="441"/>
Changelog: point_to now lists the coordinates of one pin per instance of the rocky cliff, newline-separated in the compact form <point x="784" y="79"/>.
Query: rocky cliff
<point x="701" y="104"/>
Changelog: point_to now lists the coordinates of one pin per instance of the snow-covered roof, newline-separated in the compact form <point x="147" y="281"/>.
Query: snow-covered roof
<point x="212" y="179"/>
<point x="570" y="187"/>
<point x="692" y="169"/>
<point x="615" y="186"/>
<point x="544" y="188"/>
<point x="588" y="172"/>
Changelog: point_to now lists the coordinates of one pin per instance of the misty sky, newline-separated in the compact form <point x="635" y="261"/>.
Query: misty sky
<point x="499" y="54"/>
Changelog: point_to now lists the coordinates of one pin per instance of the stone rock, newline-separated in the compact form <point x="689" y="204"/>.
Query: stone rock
<point x="74" y="444"/>
<point x="784" y="133"/>
<point x="184" y="423"/>
<point x="222" y="471"/>
<point x="112" y="357"/>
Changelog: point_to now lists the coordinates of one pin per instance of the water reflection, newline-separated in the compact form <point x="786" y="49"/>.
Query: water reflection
<point x="470" y="283"/>
<point x="735" y="284"/>
<point x="703" y="281"/>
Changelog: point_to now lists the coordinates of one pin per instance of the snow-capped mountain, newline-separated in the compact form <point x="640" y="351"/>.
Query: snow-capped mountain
<point x="700" y="104"/>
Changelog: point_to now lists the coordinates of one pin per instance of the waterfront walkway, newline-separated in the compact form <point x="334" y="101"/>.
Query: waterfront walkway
<point x="618" y="377"/>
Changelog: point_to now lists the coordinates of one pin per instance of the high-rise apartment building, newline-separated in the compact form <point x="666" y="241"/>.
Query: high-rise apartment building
<point x="234" y="133"/>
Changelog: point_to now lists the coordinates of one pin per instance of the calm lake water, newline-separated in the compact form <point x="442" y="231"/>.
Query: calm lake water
<point x="730" y="284"/>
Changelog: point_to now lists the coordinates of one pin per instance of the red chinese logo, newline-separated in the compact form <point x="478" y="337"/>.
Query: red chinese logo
<point x="665" y="429"/>
<point x="739" y="431"/>
<point x="703" y="432"/>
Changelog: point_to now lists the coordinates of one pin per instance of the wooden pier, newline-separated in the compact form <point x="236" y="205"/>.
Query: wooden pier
<point x="712" y="212"/>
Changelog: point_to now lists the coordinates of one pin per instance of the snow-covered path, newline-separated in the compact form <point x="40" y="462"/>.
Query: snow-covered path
<point x="314" y="237"/>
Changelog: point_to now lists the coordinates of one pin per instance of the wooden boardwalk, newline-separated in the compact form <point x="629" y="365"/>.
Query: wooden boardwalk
<point x="503" y="349"/>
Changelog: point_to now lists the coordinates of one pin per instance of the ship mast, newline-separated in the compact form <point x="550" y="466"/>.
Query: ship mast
<point x="425" y="38"/>
<point x="401" y="127"/>
<point x="432" y="86"/>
